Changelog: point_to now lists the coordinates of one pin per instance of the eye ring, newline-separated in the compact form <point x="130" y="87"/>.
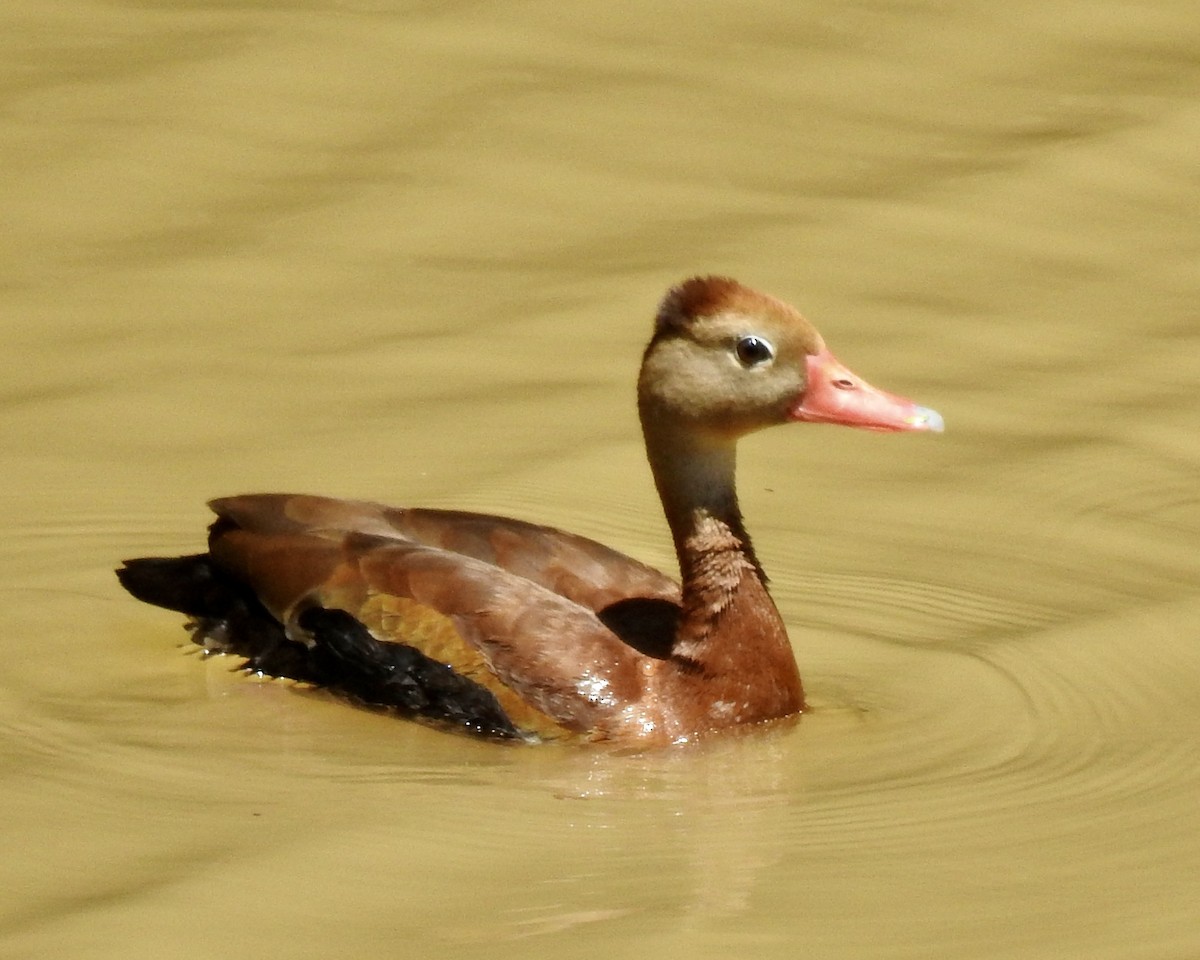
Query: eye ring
<point x="752" y="351"/>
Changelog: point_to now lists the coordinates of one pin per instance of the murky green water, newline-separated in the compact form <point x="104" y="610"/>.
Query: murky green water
<point x="410" y="252"/>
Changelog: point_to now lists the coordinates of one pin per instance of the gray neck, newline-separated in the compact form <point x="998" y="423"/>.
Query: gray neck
<point x="695" y="477"/>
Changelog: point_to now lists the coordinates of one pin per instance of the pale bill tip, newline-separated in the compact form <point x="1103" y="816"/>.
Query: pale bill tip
<point x="924" y="418"/>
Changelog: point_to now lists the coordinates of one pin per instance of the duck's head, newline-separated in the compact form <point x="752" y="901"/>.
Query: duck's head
<point x="726" y="360"/>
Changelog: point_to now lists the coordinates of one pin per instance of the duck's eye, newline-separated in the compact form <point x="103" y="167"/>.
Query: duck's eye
<point x="754" y="351"/>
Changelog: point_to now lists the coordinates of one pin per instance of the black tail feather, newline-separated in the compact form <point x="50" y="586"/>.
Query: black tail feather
<point x="189" y="584"/>
<point x="343" y="656"/>
<point x="226" y="615"/>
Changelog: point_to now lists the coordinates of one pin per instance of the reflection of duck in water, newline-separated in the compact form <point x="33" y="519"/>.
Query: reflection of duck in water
<point x="515" y="630"/>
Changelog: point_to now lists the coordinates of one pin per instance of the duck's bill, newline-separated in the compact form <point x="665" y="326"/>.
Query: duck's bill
<point x="835" y="395"/>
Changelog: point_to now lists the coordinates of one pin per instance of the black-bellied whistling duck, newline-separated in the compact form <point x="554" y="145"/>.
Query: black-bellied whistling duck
<point x="509" y="629"/>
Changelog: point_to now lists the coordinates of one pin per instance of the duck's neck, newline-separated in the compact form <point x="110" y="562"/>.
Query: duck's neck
<point x="730" y="637"/>
<point x="695" y="479"/>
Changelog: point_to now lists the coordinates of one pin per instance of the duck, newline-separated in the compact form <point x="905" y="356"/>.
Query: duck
<point x="510" y="630"/>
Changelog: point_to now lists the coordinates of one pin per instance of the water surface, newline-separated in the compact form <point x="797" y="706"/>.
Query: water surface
<point x="410" y="252"/>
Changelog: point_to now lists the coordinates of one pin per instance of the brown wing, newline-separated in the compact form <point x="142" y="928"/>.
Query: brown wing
<point x="582" y="570"/>
<point x="459" y="594"/>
